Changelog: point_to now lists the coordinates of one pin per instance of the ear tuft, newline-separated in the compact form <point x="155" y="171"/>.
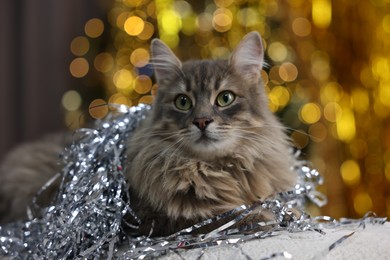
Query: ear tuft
<point x="248" y="57"/>
<point x="166" y="64"/>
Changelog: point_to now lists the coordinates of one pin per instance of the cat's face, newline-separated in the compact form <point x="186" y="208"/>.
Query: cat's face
<point x="210" y="107"/>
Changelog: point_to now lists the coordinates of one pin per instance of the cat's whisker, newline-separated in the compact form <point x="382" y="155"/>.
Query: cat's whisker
<point x="255" y="137"/>
<point x="168" y="135"/>
<point x="163" y="155"/>
<point x="287" y="129"/>
<point x="173" y="153"/>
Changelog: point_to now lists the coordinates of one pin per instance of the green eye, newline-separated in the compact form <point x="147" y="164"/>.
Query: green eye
<point x="183" y="102"/>
<point x="225" y="98"/>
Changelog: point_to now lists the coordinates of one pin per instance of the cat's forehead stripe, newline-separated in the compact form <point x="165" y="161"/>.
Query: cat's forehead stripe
<point x="217" y="83"/>
<point x="204" y="75"/>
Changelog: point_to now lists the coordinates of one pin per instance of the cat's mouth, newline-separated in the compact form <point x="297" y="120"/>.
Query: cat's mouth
<point x="204" y="138"/>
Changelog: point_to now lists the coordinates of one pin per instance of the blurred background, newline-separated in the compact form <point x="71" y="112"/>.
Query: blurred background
<point x="328" y="79"/>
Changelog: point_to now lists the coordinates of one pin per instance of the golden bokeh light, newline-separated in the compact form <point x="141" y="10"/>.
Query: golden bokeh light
<point x="170" y="21"/>
<point x="134" y="25"/>
<point x="279" y="96"/>
<point x="345" y="125"/>
<point x="123" y="79"/>
<point x="277" y="51"/>
<point x="79" y="46"/>
<point x="301" y="26"/>
<point x="98" y="108"/>
<point x="94" y="28"/>
<point x="310" y="113"/>
<point x="140" y="57"/>
<point x="79" y="67"/>
<point x="362" y="203"/>
<point x="332" y="112"/>
<point x="288" y="72"/>
<point x="142" y="84"/>
<point x="350" y="172"/>
<point x="322" y="13"/>
<point x="222" y="19"/>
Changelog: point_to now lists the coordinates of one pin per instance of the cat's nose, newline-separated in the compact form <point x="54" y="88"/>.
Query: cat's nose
<point x="202" y="123"/>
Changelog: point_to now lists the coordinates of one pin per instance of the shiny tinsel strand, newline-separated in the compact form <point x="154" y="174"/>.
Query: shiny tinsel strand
<point x="86" y="217"/>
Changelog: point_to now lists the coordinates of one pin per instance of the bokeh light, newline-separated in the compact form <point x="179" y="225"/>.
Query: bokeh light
<point x="310" y="113"/>
<point x="71" y="100"/>
<point x="322" y="13"/>
<point x="98" y="108"/>
<point x="277" y="51"/>
<point x="134" y="25"/>
<point x="350" y="172"/>
<point x="222" y="19"/>
<point x="94" y="28"/>
<point x="301" y="26"/>
<point x="140" y="57"/>
<point x="123" y="79"/>
<point x="79" y="46"/>
<point x="142" y="84"/>
<point x="79" y="67"/>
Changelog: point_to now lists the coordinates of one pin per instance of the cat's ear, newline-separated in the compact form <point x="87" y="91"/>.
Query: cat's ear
<point x="248" y="57"/>
<point x="166" y="64"/>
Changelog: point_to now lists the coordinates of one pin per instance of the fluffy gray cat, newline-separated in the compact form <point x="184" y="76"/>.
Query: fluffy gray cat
<point x="209" y="144"/>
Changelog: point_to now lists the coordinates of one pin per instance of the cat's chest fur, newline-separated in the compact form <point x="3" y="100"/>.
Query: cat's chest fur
<point x="181" y="186"/>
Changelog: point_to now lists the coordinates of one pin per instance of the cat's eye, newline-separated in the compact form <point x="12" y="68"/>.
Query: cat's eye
<point x="225" y="98"/>
<point x="183" y="102"/>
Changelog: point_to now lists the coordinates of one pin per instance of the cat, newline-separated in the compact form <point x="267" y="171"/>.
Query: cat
<point x="209" y="144"/>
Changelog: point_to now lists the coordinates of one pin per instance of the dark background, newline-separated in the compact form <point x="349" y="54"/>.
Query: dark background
<point x="34" y="63"/>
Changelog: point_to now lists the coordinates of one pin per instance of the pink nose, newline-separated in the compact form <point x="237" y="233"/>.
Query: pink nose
<point x="202" y="123"/>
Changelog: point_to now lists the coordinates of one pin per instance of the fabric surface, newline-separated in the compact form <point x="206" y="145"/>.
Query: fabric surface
<point x="343" y="242"/>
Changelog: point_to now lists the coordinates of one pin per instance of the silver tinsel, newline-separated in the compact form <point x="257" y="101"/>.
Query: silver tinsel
<point x="86" y="218"/>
